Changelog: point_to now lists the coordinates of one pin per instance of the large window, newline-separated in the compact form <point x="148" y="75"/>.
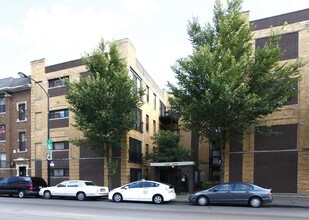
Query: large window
<point x="57" y="82"/>
<point x="147" y="123"/>
<point x="59" y="172"/>
<point x="2" y="132"/>
<point x="154" y="101"/>
<point x="135" y="151"/>
<point x="154" y="127"/>
<point x="2" y="160"/>
<point x="22" y="141"/>
<point x="64" y="113"/>
<point x="22" y="111"/>
<point x="139" y="123"/>
<point x="61" y="145"/>
<point x="137" y="80"/>
<point x="2" y="104"/>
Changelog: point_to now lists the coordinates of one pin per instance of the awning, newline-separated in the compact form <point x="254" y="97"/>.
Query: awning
<point x="173" y="164"/>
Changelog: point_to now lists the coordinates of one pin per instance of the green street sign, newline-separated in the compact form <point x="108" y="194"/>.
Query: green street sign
<point x="49" y="144"/>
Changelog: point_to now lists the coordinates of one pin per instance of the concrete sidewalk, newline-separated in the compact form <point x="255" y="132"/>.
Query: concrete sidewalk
<point x="279" y="200"/>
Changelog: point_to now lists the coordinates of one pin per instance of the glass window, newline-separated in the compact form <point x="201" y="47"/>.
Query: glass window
<point x="242" y="187"/>
<point x="59" y="172"/>
<point x="154" y="127"/>
<point x="147" y="93"/>
<point x="2" y="104"/>
<point x="147" y="123"/>
<point x="61" y="145"/>
<point x="2" y="160"/>
<point x="21" y="111"/>
<point x="139" y="123"/>
<point x="137" y="80"/>
<point x="225" y="187"/>
<point x="63" y="113"/>
<point x="154" y="101"/>
<point x="136" y="185"/>
<point x="57" y="82"/>
<point x="135" y="151"/>
<point x="2" y="132"/>
<point x="22" y="141"/>
<point x="73" y="184"/>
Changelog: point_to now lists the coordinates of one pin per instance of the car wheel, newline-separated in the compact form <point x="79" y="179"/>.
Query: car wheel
<point x="202" y="200"/>
<point x="21" y="194"/>
<point x="255" y="202"/>
<point x="81" y="196"/>
<point x="47" y="194"/>
<point x="157" y="199"/>
<point x="117" y="197"/>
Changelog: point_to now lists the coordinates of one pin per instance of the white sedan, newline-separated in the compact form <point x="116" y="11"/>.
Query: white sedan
<point x="144" y="190"/>
<point x="81" y="189"/>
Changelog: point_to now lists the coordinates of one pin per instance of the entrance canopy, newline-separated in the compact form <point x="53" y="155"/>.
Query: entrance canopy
<point x="173" y="164"/>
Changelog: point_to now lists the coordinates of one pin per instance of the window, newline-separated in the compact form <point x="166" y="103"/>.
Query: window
<point x="147" y="149"/>
<point x="162" y="109"/>
<point x="2" y="104"/>
<point x="139" y="123"/>
<point x="2" y="132"/>
<point x="137" y="80"/>
<point x="22" y="141"/>
<point x="147" y="93"/>
<point x="22" y="111"/>
<point x="135" y="174"/>
<point x="154" y="101"/>
<point x="2" y="160"/>
<point x="147" y="123"/>
<point x="57" y="82"/>
<point x="154" y="127"/>
<point x="61" y="172"/>
<point x="61" y="145"/>
<point x="135" y="151"/>
<point x="242" y="187"/>
<point x="64" y="113"/>
<point x="225" y="187"/>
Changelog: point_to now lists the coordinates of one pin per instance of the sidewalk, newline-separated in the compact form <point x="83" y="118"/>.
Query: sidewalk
<point x="279" y="200"/>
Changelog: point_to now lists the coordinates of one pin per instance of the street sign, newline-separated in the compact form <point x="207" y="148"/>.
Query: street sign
<point x="49" y="145"/>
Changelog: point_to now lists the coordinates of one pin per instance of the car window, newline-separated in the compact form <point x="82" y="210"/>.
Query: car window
<point x="73" y="184"/>
<point x="136" y="185"/>
<point x="4" y="181"/>
<point x="150" y="184"/>
<point x="37" y="181"/>
<point x="224" y="187"/>
<point x="89" y="183"/>
<point x="63" y="184"/>
<point x="242" y="187"/>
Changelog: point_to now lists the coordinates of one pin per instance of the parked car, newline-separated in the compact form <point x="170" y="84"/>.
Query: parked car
<point x="22" y="186"/>
<point x="143" y="190"/>
<point x="81" y="189"/>
<point x="238" y="193"/>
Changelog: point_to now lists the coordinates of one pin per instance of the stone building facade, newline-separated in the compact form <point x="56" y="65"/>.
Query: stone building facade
<point x="15" y="129"/>
<point x="279" y="161"/>
<point x="72" y="162"/>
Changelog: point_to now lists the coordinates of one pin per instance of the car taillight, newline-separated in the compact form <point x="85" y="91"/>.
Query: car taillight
<point x="31" y="187"/>
<point x="270" y="193"/>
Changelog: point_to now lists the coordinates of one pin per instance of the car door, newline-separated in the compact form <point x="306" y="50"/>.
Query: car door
<point x="148" y="190"/>
<point x="71" y="189"/>
<point x="241" y="192"/>
<point x="3" y="185"/>
<point x="221" y="193"/>
<point x="59" y="189"/>
<point x="132" y="191"/>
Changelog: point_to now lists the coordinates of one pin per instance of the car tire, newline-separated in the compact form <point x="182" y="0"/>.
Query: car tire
<point x="47" y="194"/>
<point x="202" y="200"/>
<point x="117" y="197"/>
<point x="255" y="202"/>
<point x="81" y="196"/>
<point x="21" y="194"/>
<point x="157" y="199"/>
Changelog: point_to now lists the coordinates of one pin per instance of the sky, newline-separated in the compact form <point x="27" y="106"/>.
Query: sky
<point x="64" y="30"/>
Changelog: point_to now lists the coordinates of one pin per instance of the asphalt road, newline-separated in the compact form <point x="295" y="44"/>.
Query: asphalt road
<point x="65" y="209"/>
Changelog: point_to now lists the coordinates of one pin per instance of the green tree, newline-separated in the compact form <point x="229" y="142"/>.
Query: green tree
<point x="104" y="102"/>
<point x="168" y="148"/>
<point x="225" y="86"/>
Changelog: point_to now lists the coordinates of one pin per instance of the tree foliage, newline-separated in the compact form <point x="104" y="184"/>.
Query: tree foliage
<point x="226" y="86"/>
<point x="104" y="102"/>
<point x="168" y="148"/>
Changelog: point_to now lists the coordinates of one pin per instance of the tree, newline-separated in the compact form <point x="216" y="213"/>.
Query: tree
<point x="225" y="87"/>
<point x="104" y="102"/>
<point x="168" y="148"/>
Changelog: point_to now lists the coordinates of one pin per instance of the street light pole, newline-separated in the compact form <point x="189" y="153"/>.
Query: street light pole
<point x="22" y="75"/>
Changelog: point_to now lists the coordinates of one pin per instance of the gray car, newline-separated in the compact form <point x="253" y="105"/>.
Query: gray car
<point x="233" y="193"/>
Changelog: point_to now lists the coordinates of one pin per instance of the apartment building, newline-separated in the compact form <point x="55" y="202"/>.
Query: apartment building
<point x="15" y="118"/>
<point x="279" y="161"/>
<point x="73" y="162"/>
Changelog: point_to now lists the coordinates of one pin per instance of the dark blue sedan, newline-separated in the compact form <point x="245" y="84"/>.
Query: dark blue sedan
<point x="233" y="193"/>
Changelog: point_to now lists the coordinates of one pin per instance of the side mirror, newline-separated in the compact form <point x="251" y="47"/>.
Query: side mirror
<point x="215" y="189"/>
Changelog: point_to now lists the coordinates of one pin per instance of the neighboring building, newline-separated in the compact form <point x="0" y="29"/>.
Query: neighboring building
<point x="72" y="162"/>
<point x="15" y="118"/>
<point x="280" y="161"/>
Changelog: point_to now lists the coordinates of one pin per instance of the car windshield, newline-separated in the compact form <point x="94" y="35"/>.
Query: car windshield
<point x="89" y="183"/>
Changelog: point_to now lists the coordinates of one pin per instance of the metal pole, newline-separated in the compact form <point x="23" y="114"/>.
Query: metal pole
<point x="48" y="135"/>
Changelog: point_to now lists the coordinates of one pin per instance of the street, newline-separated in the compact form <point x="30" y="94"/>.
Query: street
<point x="36" y="208"/>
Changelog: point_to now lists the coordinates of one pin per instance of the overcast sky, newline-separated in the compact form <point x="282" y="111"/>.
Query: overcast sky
<point x="63" y="30"/>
